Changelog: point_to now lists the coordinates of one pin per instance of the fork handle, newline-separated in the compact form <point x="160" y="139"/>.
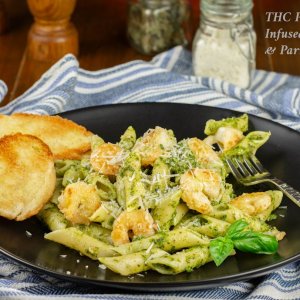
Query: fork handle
<point x="290" y="192"/>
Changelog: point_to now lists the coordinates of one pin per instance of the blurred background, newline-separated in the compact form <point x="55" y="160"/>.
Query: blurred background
<point x="102" y="41"/>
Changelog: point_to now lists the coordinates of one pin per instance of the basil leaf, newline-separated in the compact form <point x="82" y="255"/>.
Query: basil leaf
<point x="236" y="227"/>
<point x="220" y="248"/>
<point x="255" y="242"/>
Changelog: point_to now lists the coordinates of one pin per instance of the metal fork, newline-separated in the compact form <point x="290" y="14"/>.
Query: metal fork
<point x="250" y="171"/>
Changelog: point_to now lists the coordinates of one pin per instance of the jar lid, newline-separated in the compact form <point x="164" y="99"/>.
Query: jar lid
<point x="226" y="7"/>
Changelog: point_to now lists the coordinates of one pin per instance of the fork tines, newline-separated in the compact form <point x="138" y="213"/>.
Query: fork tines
<point x="243" y="167"/>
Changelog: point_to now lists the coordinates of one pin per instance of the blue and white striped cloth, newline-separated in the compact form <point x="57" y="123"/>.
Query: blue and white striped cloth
<point x="167" y="78"/>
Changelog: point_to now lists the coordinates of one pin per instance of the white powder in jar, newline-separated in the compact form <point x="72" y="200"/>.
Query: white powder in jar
<point x="217" y="55"/>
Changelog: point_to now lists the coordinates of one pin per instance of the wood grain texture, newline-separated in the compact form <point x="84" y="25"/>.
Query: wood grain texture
<point x="101" y="27"/>
<point x="3" y="18"/>
<point x="13" y="43"/>
<point x="52" y="35"/>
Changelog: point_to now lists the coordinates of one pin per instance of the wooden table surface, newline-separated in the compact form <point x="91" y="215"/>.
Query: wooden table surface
<point x="102" y="35"/>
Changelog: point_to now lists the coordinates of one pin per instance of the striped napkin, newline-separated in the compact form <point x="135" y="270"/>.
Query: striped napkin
<point x="167" y="78"/>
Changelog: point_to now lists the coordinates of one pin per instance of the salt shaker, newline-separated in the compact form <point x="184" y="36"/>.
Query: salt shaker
<point x="156" y="25"/>
<point x="225" y="43"/>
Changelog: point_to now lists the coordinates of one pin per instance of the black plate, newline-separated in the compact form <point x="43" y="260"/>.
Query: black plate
<point x="280" y="155"/>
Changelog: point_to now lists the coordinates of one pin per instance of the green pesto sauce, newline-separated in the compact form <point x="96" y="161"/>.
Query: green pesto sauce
<point x="181" y="158"/>
<point x="240" y="123"/>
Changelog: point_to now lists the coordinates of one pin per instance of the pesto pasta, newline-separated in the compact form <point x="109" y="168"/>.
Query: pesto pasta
<point x="155" y="203"/>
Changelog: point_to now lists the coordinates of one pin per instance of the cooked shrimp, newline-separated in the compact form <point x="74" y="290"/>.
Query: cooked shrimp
<point x="153" y="144"/>
<point x="139" y="222"/>
<point x="107" y="158"/>
<point x="204" y="153"/>
<point x="200" y="187"/>
<point x="226" y="137"/>
<point x="78" y="202"/>
<point x="252" y="203"/>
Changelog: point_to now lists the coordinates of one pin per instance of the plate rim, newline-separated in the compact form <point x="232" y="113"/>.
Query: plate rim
<point x="77" y="110"/>
<point x="157" y="286"/>
<point x="160" y="286"/>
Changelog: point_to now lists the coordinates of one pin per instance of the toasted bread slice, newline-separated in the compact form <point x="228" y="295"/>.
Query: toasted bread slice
<point x="27" y="176"/>
<point x="66" y="139"/>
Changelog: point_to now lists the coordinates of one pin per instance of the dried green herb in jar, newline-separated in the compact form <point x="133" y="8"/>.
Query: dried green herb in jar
<point x="156" y="25"/>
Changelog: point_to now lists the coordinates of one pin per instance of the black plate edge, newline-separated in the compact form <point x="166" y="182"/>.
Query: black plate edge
<point x="157" y="286"/>
<point x="65" y="113"/>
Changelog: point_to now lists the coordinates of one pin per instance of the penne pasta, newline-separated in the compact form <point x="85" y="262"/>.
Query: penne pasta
<point x="152" y="202"/>
<point x="180" y="212"/>
<point x="52" y="217"/>
<point x="165" y="211"/>
<point x="185" y="260"/>
<point x="206" y="225"/>
<point x="132" y="263"/>
<point x="76" y="239"/>
<point x="128" y="139"/>
<point x="169" y="241"/>
<point x="130" y="188"/>
<point x="106" y="214"/>
<point x="230" y="214"/>
<point x="161" y="175"/>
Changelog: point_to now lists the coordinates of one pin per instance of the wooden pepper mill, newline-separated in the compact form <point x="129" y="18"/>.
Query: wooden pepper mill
<point x="52" y="35"/>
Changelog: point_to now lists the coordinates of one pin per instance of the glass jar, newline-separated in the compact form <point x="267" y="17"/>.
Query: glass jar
<point x="156" y="25"/>
<point x="224" y="46"/>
